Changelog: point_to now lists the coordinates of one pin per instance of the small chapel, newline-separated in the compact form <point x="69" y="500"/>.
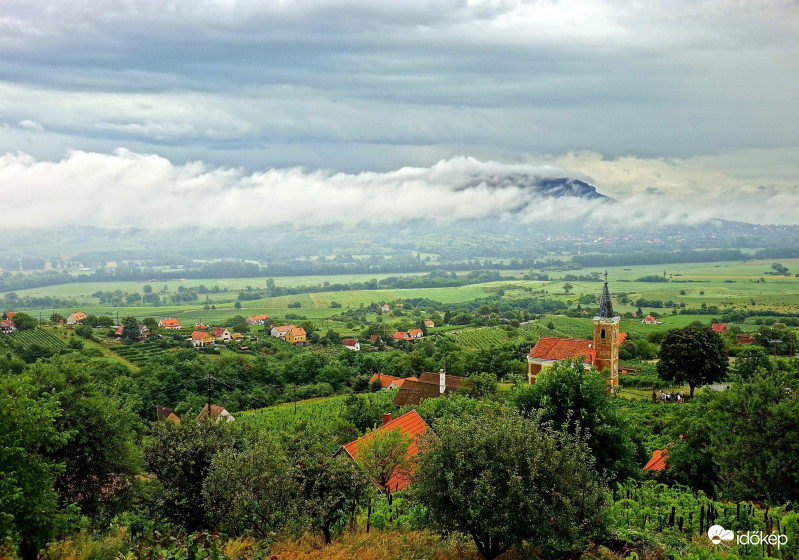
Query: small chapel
<point x="602" y="352"/>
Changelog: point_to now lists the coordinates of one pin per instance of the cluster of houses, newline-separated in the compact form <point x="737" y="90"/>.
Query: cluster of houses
<point x="290" y="333"/>
<point x="202" y="337"/>
<point x="411" y="335"/>
<point x="7" y="325"/>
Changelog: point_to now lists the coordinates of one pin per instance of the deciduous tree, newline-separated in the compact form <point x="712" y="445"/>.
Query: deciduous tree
<point x="692" y="355"/>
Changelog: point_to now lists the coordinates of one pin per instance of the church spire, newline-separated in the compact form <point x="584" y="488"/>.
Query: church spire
<point x="605" y="306"/>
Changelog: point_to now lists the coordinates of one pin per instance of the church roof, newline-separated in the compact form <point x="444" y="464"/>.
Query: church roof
<point x="605" y="305"/>
<point x="549" y="348"/>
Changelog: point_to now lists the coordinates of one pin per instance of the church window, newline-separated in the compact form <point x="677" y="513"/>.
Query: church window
<point x="602" y="334"/>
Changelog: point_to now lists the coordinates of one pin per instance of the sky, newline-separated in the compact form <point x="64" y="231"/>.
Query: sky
<point x="328" y="111"/>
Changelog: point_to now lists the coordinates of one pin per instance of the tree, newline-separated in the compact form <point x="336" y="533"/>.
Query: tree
<point x="24" y="322"/>
<point x="237" y="305"/>
<point x="578" y="402"/>
<point x="503" y="479"/>
<point x="383" y="454"/>
<point x="29" y="504"/>
<point x="130" y="330"/>
<point x="180" y="455"/>
<point x="330" y="487"/>
<point x="692" y="355"/>
<point x="251" y="490"/>
<point x="147" y="289"/>
<point x="567" y="287"/>
<point x="749" y="361"/>
<point x="101" y="452"/>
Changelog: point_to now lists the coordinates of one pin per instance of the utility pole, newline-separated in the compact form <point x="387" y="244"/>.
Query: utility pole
<point x="775" y="341"/>
<point x="209" y="395"/>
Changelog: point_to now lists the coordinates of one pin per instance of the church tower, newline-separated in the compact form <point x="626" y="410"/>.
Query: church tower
<point x="606" y="338"/>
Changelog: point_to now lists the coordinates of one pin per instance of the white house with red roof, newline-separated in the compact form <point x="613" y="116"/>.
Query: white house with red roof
<point x="200" y="339"/>
<point x="649" y="320"/>
<point x="351" y="344"/>
<point x="170" y="324"/>
<point x="281" y="331"/>
<point x="410" y="424"/>
<point x="220" y="334"/>
<point x="257" y="319"/>
<point x="75" y="318"/>
<point x="416" y="333"/>
<point x="389" y="381"/>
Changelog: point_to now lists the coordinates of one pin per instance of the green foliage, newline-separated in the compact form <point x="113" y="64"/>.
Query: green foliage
<point x="693" y="355"/>
<point x="101" y="453"/>
<point x="24" y="322"/>
<point x="577" y="401"/>
<point x="130" y="330"/>
<point x="382" y="455"/>
<point x="180" y="457"/>
<point x="29" y="507"/>
<point x="502" y="479"/>
<point x="251" y="490"/>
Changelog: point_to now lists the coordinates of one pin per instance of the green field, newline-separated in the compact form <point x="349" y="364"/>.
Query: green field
<point x="727" y="284"/>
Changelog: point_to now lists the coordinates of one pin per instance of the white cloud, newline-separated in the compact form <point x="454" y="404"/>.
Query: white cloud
<point x="125" y="188"/>
<point x="28" y="124"/>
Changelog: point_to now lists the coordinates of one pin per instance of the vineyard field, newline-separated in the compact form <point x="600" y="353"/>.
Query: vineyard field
<point x="41" y="337"/>
<point x="283" y="417"/>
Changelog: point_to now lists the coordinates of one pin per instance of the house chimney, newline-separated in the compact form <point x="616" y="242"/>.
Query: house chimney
<point x="386" y="418"/>
<point x="442" y="381"/>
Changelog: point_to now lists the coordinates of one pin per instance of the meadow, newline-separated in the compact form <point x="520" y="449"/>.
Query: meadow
<point x="742" y="285"/>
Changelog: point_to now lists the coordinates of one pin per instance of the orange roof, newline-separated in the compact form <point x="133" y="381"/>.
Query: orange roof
<point x="385" y="380"/>
<point x="400" y="335"/>
<point x="416" y="333"/>
<point x="200" y="327"/>
<point x="218" y="331"/>
<point x="429" y="323"/>
<point x="284" y="328"/>
<point x="199" y="335"/>
<point x="719" y="327"/>
<point x="551" y="348"/>
<point x="10" y="314"/>
<point x="658" y="460"/>
<point x="298" y="331"/>
<point x="170" y="323"/>
<point x="622" y="337"/>
<point x="258" y="318"/>
<point x="399" y="382"/>
<point x="410" y="424"/>
<point x="349" y="342"/>
<point x="78" y="315"/>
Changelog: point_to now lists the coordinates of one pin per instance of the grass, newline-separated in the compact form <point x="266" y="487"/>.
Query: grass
<point x="727" y="284"/>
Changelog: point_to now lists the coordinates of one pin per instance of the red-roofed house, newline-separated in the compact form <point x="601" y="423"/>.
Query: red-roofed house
<point x="389" y="381"/>
<point x="144" y="332"/>
<point x="10" y="314"/>
<point x="745" y="339"/>
<point x="658" y="461"/>
<point x="410" y="424"/>
<point x="719" y="327"/>
<point x="257" y="319"/>
<point x="429" y="324"/>
<point x="171" y="324"/>
<point x="416" y="333"/>
<point x="400" y="335"/>
<point x="374" y="338"/>
<point x="281" y="331"/>
<point x="218" y="414"/>
<point x="220" y="334"/>
<point x="649" y="320"/>
<point x="76" y="318"/>
<point x="201" y="338"/>
<point x="7" y="326"/>
<point x="200" y="327"/>
<point x="296" y="336"/>
<point x="351" y="344"/>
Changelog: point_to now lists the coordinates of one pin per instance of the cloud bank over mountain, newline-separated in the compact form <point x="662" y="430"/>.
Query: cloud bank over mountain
<point x="128" y="189"/>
